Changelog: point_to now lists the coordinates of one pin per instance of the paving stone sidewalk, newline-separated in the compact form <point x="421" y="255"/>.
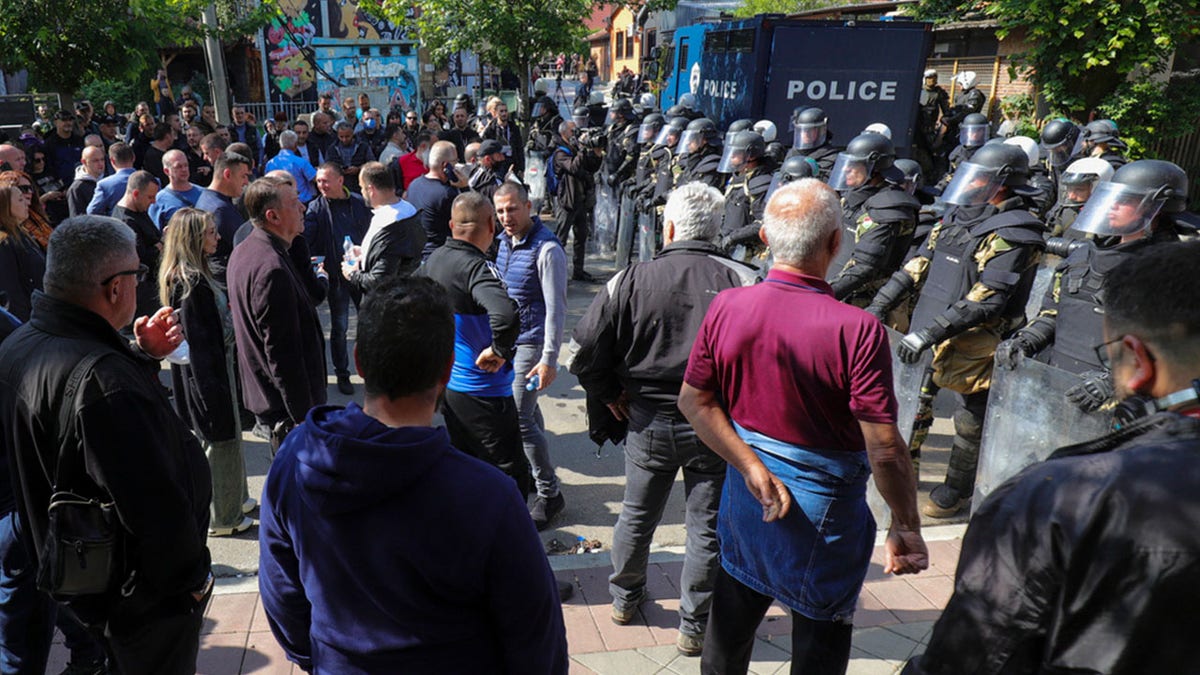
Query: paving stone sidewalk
<point x="894" y="617"/>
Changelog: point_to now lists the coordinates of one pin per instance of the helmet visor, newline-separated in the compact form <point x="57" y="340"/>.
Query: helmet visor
<point x="1076" y="188"/>
<point x="1061" y="154"/>
<point x="973" y="135"/>
<point x="808" y="136"/>
<point x="614" y="116"/>
<point x="581" y="121"/>
<point x="849" y="172"/>
<point x="647" y="132"/>
<point x="1116" y="209"/>
<point x="667" y="136"/>
<point x="691" y="141"/>
<point x="973" y="185"/>
<point x="732" y="160"/>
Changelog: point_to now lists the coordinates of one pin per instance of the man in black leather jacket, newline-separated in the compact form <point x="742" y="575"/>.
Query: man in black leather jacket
<point x="1089" y="562"/>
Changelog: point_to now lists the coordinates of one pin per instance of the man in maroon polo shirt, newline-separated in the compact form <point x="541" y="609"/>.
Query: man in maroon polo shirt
<point x="791" y="386"/>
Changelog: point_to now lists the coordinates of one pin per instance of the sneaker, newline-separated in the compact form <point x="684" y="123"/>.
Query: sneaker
<point x="689" y="645"/>
<point x="249" y="505"/>
<point x="566" y="589"/>
<point x="580" y="275"/>
<point x="344" y="385"/>
<point x="545" y="509"/>
<point x="944" y="502"/>
<point x="241" y="527"/>
<point x="623" y="615"/>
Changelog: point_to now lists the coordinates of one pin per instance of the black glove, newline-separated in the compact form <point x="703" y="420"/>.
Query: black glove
<point x="1094" y="388"/>
<point x="910" y="348"/>
<point x="1009" y="352"/>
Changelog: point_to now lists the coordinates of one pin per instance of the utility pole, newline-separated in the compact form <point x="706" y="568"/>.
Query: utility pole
<point x="214" y="57"/>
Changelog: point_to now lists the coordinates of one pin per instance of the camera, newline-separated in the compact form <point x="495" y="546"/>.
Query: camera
<point x="593" y="138"/>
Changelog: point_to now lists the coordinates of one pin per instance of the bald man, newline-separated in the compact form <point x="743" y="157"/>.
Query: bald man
<point x="91" y="169"/>
<point x="13" y="156"/>
<point x="180" y="192"/>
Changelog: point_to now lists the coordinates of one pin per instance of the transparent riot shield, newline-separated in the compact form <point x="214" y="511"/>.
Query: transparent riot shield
<point x="1029" y="417"/>
<point x="1041" y="282"/>
<point x="604" y="216"/>
<point x="535" y="177"/>
<point x="626" y="231"/>
<point x="646" y="236"/>
<point x="906" y="382"/>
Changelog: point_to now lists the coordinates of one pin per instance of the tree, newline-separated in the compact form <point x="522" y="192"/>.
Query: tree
<point x="750" y="8"/>
<point x="63" y="43"/>
<point x="1081" y="52"/>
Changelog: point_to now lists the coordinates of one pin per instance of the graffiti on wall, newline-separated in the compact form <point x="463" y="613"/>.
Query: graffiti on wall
<point x="291" y="75"/>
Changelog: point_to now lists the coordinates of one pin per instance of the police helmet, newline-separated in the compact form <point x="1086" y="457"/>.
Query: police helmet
<point x="1062" y="140"/>
<point x="542" y="105"/>
<point x="651" y="124"/>
<point x="809" y="128"/>
<point x="688" y="101"/>
<point x="797" y="167"/>
<point x="878" y="128"/>
<point x="992" y="167"/>
<point x="621" y="110"/>
<point x="676" y="111"/>
<point x="1087" y="170"/>
<point x="974" y="130"/>
<point x="775" y="152"/>
<point x="671" y="131"/>
<point x="648" y="101"/>
<point x="866" y="154"/>
<point x="911" y="175"/>
<point x="966" y="79"/>
<point x="1101" y="131"/>
<point x="581" y="117"/>
<point x="1128" y="203"/>
<point x="540" y="87"/>
<point x="766" y="129"/>
<point x="1029" y="146"/>
<point x="596" y="98"/>
<point x="698" y="133"/>
<point x="737" y="126"/>
<point x="743" y="147"/>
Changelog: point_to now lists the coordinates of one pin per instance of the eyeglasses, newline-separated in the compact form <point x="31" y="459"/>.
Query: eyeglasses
<point x="139" y="274"/>
<point x="1102" y="353"/>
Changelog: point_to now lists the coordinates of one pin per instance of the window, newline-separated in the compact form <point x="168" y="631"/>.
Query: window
<point x="741" y="40"/>
<point x="683" y="57"/>
<point x="714" y="41"/>
<point x="620" y="53"/>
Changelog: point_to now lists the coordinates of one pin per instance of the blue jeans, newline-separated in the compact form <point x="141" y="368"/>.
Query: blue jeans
<point x="339" y="323"/>
<point x="28" y="616"/>
<point x="657" y="447"/>
<point x="533" y="427"/>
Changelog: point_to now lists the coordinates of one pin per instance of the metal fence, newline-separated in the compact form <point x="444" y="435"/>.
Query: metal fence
<point x="1184" y="151"/>
<point x="265" y="111"/>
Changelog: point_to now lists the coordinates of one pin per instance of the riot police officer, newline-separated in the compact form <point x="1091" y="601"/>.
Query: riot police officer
<point x="661" y="157"/>
<point x="597" y="111"/>
<point x="1038" y="180"/>
<point x="746" y="196"/>
<point x="977" y="268"/>
<point x="878" y="218"/>
<point x="1138" y="207"/>
<point x="1063" y="142"/>
<point x="1075" y="186"/>
<point x="934" y="105"/>
<point x="972" y="134"/>
<point x="699" y="155"/>
<point x="795" y="168"/>
<point x="621" y="158"/>
<point x="736" y="127"/>
<point x="691" y="108"/>
<point x="811" y="138"/>
<point x="1100" y="140"/>
<point x="543" y="122"/>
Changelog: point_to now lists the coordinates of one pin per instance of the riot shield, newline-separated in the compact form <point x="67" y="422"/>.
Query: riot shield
<point x="646" y="235"/>
<point x="626" y="224"/>
<point x="1028" y="417"/>
<point x="906" y="382"/>
<point x="535" y="176"/>
<point x="604" y="216"/>
<point x="1041" y="282"/>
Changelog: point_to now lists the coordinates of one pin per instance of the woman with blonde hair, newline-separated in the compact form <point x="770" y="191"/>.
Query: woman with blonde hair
<point x="205" y="386"/>
<point x="22" y="262"/>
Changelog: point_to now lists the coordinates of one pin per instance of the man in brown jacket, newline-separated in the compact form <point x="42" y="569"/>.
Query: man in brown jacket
<point x="281" y="350"/>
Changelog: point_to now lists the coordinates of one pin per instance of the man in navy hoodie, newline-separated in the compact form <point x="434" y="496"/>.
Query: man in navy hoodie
<point x="385" y="550"/>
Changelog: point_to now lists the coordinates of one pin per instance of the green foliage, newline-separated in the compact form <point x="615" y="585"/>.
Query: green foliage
<point x="64" y="43"/>
<point x="1147" y="111"/>
<point x="125" y="93"/>
<point x="750" y="8"/>
<point x="1080" y="52"/>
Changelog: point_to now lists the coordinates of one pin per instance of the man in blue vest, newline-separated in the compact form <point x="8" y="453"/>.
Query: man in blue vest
<point x="533" y="265"/>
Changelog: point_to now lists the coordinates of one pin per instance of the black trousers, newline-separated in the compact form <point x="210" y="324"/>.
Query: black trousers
<point x="487" y="427"/>
<point x="818" y="647"/>
<point x="160" y="637"/>
<point x="577" y="221"/>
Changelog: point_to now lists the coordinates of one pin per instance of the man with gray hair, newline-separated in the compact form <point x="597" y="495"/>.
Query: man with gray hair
<point x="794" y="390"/>
<point x="290" y="161"/>
<point x="634" y="343"/>
<point x="82" y="412"/>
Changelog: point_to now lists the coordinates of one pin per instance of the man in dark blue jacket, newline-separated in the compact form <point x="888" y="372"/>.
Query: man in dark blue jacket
<point x="479" y="407"/>
<point x="338" y="213"/>
<point x="457" y="585"/>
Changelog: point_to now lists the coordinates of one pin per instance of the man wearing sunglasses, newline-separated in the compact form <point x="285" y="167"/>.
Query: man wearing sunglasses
<point x="1089" y="562"/>
<point x="103" y="429"/>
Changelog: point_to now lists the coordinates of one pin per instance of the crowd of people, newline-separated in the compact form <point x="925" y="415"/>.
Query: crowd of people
<point x="212" y="247"/>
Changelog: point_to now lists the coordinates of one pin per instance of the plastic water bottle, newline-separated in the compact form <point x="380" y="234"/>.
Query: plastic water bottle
<point x="533" y="383"/>
<point x="347" y="248"/>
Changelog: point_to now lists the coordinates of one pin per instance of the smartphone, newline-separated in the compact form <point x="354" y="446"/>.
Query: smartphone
<point x="451" y="175"/>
